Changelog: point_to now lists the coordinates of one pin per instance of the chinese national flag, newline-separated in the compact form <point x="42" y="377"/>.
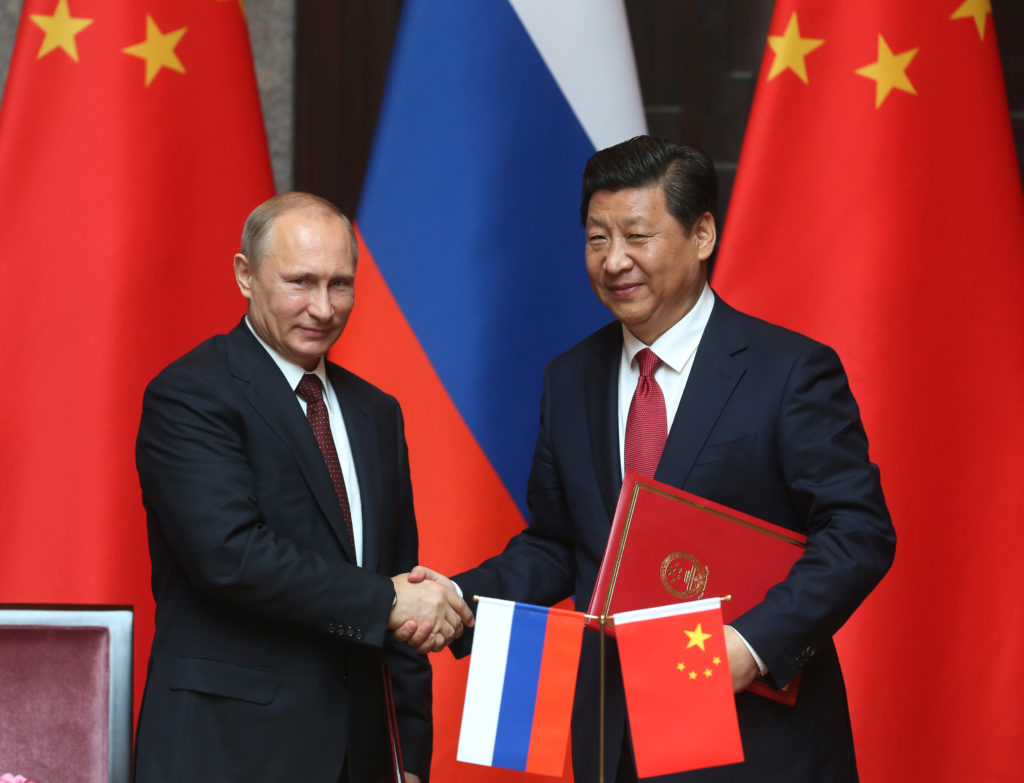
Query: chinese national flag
<point x="131" y="150"/>
<point x="878" y="208"/>
<point x="682" y="712"/>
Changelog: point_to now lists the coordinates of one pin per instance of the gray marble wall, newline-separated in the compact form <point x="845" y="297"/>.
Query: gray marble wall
<point x="272" y="31"/>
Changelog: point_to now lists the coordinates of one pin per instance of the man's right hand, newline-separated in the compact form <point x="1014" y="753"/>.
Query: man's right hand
<point x="427" y="615"/>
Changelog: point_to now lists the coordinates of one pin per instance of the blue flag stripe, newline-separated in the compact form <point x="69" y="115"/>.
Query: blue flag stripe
<point x="471" y="210"/>
<point x="519" y="694"/>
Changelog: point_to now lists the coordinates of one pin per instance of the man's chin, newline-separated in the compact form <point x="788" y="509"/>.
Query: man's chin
<point x="308" y="354"/>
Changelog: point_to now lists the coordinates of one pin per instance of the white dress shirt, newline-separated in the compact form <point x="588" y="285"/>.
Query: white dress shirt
<point x="676" y="348"/>
<point x="293" y="374"/>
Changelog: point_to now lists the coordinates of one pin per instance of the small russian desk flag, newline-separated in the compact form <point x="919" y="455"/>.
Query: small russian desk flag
<point x="522" y="677"/>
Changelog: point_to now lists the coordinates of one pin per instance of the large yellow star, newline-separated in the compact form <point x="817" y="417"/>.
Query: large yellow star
<point x="697" y="637"/>
<point x="976" y="9"/>
<point x="60" y="28"/>
<point x="790" y="50"/>
<point x="889" y="71"/>
<point x="158" y="49"/>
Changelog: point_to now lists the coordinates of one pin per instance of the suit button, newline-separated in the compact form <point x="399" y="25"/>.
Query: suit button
<point x="359" y="634"/>
<point x="330" y="628"/>
<point x="349" y="631"/>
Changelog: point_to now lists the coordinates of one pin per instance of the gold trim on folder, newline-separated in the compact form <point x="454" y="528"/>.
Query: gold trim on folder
<point x="637" y="486"/>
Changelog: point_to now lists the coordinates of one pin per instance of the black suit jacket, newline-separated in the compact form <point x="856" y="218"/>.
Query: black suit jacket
<point x="766" y="425"/>
<point x="266" y="657"/>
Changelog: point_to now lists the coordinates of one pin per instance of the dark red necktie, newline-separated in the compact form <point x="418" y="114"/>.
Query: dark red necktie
<point x="646" y="427"/>
<point x="310" y="389"/>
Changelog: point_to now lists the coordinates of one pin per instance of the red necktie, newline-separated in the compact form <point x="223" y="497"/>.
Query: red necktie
<point x="646" y="427"/>
<point x="310" y="389"/>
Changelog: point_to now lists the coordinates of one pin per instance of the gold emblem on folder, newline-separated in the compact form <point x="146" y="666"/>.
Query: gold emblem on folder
<point x="684" y="576"/>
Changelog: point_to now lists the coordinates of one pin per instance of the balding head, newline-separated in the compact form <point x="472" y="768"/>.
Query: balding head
<point x="260" y="223"/>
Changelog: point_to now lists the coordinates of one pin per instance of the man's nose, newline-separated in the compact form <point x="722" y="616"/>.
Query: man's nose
<point x="320" y="303"/>
<point x="617" y="258"/>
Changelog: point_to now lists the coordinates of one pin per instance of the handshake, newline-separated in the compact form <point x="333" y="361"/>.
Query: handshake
<point x="428" y="612"/>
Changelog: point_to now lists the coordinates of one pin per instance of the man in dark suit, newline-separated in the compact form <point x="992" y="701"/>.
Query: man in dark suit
<point x="278" y="497"/>
<point x="757" y="418"/>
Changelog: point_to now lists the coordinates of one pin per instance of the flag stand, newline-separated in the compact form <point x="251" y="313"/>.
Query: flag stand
<point x="600" y="709"/>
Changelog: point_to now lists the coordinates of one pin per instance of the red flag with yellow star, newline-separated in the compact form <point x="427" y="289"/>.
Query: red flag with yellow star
<point x="878" y="208"/>
<point x="682" y="712"/>
<point x="131" y="150"/>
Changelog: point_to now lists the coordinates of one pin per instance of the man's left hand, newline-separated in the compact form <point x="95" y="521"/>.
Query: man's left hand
<point x="412" y="777"/>
<point x="742" y="665"/>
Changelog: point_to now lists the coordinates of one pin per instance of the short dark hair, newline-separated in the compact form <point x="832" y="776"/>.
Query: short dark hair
<point x="256" y="232"/>
<point x="686" y="175"/>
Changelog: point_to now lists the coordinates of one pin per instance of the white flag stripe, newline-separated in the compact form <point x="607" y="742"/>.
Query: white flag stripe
<point x="656" y="612"/>
<point x="586" y="46"/>
<point x="486" y="678"/>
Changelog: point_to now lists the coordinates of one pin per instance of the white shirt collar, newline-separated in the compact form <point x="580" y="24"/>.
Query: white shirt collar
<point x="678" y="343"/>
<point x="292" y="372"/>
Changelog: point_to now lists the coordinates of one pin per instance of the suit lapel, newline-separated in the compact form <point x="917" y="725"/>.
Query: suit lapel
<point x="269" y="394"/>
<point x="601" y="391"/>
<point x="715" y="373"/>
<point x="366" y="455"/>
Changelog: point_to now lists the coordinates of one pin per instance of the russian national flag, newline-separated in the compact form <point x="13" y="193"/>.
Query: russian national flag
<point x="519" y="695"/>
<point x="471" y="275"/>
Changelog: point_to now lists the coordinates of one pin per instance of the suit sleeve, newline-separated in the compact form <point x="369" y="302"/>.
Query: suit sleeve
<point x="538" y="564"/>
<point x="199" y="489"/>
<point x="410" y="671"/>
<point x="822" y="453"/>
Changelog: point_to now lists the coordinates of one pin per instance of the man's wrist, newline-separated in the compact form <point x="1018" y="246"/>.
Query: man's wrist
<point x="761" y="668"/>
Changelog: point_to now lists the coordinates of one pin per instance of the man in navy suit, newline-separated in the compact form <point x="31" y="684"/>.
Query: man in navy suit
<point x="277" y="491"/>
<point x="758" y="418"/>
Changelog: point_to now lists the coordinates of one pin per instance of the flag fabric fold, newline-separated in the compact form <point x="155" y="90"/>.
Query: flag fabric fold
<point x="471" y="273"/>
<point x="878" y="208"/>
<point x="682" y="712"/>
<point x="131" y="150"/>
<point x="519" y="694"/>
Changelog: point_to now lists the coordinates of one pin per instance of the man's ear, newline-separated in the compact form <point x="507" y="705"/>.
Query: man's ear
<point x="243" y="275"/>
<point x="706" y="236"/>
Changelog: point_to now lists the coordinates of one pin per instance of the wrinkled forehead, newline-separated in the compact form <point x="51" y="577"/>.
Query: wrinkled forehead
<point x="306" y="226"/>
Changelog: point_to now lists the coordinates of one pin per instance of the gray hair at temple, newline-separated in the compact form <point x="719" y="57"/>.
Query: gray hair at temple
<point x="256" y="232"/>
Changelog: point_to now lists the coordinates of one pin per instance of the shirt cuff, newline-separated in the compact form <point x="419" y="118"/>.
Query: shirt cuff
<point x="757" y="658"/>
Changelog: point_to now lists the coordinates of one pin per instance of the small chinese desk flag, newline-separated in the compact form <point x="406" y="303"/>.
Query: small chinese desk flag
<point x="522" y="677"/>
<point x="682" y="713"/>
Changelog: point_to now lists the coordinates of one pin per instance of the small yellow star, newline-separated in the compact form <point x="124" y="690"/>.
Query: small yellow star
<point x="693" y="675"/>
<point x="790" y="50"/>
<point x="976" y="9"/>
<point x="716" y="660"/>
<point x="158" y="49"/>
<point x="697" y="637"/>
<point x="707" y="672"/>
<point x="680" y="666"/>
<point x="60" y="28"/>
<point x="889" y="71"/>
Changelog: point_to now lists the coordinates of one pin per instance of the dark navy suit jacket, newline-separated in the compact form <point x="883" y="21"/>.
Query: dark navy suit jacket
<point x="766" y="425"/>
<point x="266" y="657"/>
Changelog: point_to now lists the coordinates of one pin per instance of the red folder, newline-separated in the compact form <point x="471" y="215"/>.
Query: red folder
<point x="393" y="770"/>
<point x="668" y="546"/>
